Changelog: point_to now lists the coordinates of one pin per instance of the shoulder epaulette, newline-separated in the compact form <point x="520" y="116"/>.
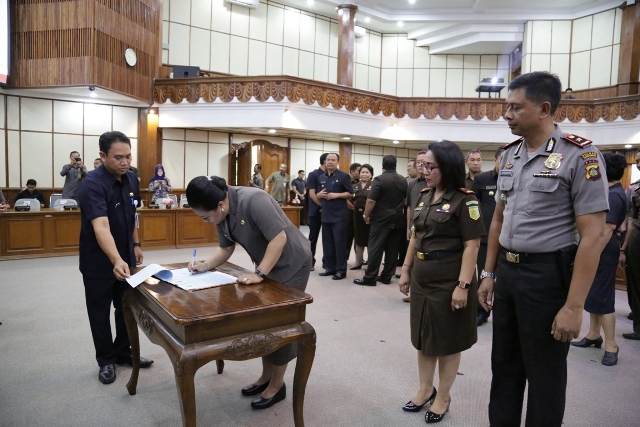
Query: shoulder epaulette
<point x="424" y="190"/>
<point x="511" y="144"/>
<point x="466" y="191"/>
<point x="577" y="140"/>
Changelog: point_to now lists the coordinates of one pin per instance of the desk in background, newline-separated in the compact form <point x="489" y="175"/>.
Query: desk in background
<point x="230" y="322"/>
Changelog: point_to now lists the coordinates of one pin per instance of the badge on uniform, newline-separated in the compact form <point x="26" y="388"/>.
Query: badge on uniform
<point x="553" y="161"/>
<point x="503" y="197"/>
<point x="421" y="204"/>
<point x="491" y="193"/>
<point x="472" y="202"/>
<point x="413" y="230"/>
<point x="593" y="172"/>
<point x="474" y="212"/>
<point x="508" y="166"/>
<point x="444" y="208"/>
<point x="550" y="144"/>
<point x="242" y="222"/>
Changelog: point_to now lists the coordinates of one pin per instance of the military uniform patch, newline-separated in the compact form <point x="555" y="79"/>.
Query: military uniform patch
<point x="466" y="191"/>
<point x="474" y="212"/>
<point x="593" y="172"/>
<point x="553" y="161"/>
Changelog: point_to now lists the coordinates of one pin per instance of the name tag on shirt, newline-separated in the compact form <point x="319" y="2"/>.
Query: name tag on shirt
<point x="506" y="173"/>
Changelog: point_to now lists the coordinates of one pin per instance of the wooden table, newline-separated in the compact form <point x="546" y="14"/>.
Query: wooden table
<point x="219" y="324"/>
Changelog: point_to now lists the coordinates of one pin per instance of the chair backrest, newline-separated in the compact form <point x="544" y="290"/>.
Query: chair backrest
<point x="173" y="197"/>
<point x="183" y="197"/>
<point x="34" y="205"/>
<point x="53" y="198"/>
<point x="61" y="203"/>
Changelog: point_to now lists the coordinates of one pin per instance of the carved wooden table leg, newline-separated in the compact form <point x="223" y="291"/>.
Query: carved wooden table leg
<point x="306" y="353"/>
<point x="185" y="371"/>
<point x="132" y="330"/>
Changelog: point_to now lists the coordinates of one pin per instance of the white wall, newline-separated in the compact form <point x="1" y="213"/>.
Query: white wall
<point x="584" y="52"/>
<point x="42" y="132"/>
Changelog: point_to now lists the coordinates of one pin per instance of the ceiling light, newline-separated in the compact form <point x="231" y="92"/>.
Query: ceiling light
<point x="287" y="111"/>
<point x="92" y="92"/>
<point x="628" y="146"/>
<point x="400" y="23"/>
<point x="396" y="142"/>
<point x="310" y="2"/>
<point x="412" y="1"/>
<point x="272" y="131"/>
<point x="367" y="19"/>
<point x="347" y="138"/>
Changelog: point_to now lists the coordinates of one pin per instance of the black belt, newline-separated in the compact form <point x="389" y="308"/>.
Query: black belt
<point x="436" y="255"/>
<point x="530" y="258"/>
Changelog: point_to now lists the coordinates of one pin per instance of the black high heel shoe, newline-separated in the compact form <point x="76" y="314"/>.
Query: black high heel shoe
<point x="586" y="342"/>
<point x="432" y="417"/>
<point x="412" y="407"/>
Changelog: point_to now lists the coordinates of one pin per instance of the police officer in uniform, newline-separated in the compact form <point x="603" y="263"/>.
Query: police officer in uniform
<point x="630" y="261"/>
<point x="250" y="217"/>
<point x="550" y="185"/>
<point x="484" y="187"/>
<point x="384" y="210"/>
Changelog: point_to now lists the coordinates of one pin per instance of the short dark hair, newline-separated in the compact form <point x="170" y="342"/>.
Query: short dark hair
<point x="259" y="166"/>
<point x="450" y="162"/>
<point x="323" y="157"/>
<point x="108" y="138"/>
<point x="74" y="151"/>
<point x="98" y="158"/>
<point x="474" y="151"/>
<point x="206" y="192"/>
<point x="31" y="181"/>
<point x="616" y="165"/>
<point x="367" y="166"/>
<point x="300" y="171"/>
<point x="540" y="86"/>
<point x="389" y="162"/>
<point x="411" y="161"/>
<point x="354" y="166"/>
<point x="498" y="152"/>
<point x="336" y="154"/>
<point x="568" y="89"/>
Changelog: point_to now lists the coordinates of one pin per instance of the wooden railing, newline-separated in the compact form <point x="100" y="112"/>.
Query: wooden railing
<point x="294" y="89"/>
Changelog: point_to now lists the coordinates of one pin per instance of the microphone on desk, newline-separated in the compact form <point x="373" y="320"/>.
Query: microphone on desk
<point x="14" y="196"/>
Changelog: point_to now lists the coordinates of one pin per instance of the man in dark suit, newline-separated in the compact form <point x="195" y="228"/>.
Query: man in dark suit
<point x="314" y="221"/>
<point x="384" y="211"/>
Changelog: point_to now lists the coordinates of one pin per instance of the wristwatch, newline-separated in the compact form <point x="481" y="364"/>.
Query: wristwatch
<point x="463" y="285"/>
<point x="138" y="244"/>
<point x="486" y="274"/>
<point x="259" y="273"/>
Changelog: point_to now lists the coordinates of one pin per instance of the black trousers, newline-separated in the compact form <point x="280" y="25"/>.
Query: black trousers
<point x="335" y="251"/>
<point x="633" y="276"/>
<point x="527" y="298"/>
<point x="482" y="259"/>
<point x="315" y="224"/>
<point x="383" y="238"/>
<point x="403" y="243"/>
<point x="351" y="233"/>
<point x="99" y="295"/>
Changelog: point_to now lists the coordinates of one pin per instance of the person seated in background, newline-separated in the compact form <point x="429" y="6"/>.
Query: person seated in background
<point x="3" y="203"/>
<point x="159" y="184"/>
<point x="97" y="162"/>
<point x="31" y="193"/>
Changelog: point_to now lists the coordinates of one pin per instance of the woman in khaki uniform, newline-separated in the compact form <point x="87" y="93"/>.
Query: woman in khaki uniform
<point x="361" y="228"/>
<point x="440" y="268"/>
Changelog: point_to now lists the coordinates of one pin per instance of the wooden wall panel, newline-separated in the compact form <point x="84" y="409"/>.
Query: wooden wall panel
<point x="82" y="42"/>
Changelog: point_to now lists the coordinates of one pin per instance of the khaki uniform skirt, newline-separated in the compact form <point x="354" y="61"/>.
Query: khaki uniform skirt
<point x="435" y="329"/>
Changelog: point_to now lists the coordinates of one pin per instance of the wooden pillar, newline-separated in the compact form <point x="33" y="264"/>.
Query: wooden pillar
<point x="346" y="43"/>
<point x="149" y="144"/>
<point x="629" y="63"/>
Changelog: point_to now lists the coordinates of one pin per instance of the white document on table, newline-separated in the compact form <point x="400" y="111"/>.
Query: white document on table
<point x="182" y="277"/>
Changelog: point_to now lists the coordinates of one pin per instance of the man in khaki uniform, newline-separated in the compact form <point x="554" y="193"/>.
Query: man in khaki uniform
<point x="550" y="185"/>
<point x="281" y="185"/>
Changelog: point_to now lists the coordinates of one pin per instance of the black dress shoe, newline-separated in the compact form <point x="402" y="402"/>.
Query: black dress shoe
<point x="262" y="403"/>
<point x="339" y="276"/>
<point x="313" y="268"/>
<point x="610" y="358"/>
<point x="252" y="390"/>
<point x="365" y="262"/>
<point x="127" y="361"/>
<point x="327" y="273"/>
<point x="107" y="374"/>
<point x="481" y="319"/>
<point x="412" y="407"/>
<point x="363" y="282"/>
<point x="383" y="281"/>
<point x="632" y="336"/>
<point x="586" y="342"/>
<point x="356" y="267"/>
<point x="432" y="417"/>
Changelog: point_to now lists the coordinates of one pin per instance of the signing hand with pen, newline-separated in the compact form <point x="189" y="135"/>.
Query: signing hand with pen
<point x="198" y="267"/>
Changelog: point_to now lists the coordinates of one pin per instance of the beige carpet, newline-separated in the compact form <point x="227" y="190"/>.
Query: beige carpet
<point x="364" y="371"/>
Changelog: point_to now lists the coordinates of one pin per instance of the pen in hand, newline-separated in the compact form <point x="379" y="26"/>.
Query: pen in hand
<point x="193" y="262"/>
